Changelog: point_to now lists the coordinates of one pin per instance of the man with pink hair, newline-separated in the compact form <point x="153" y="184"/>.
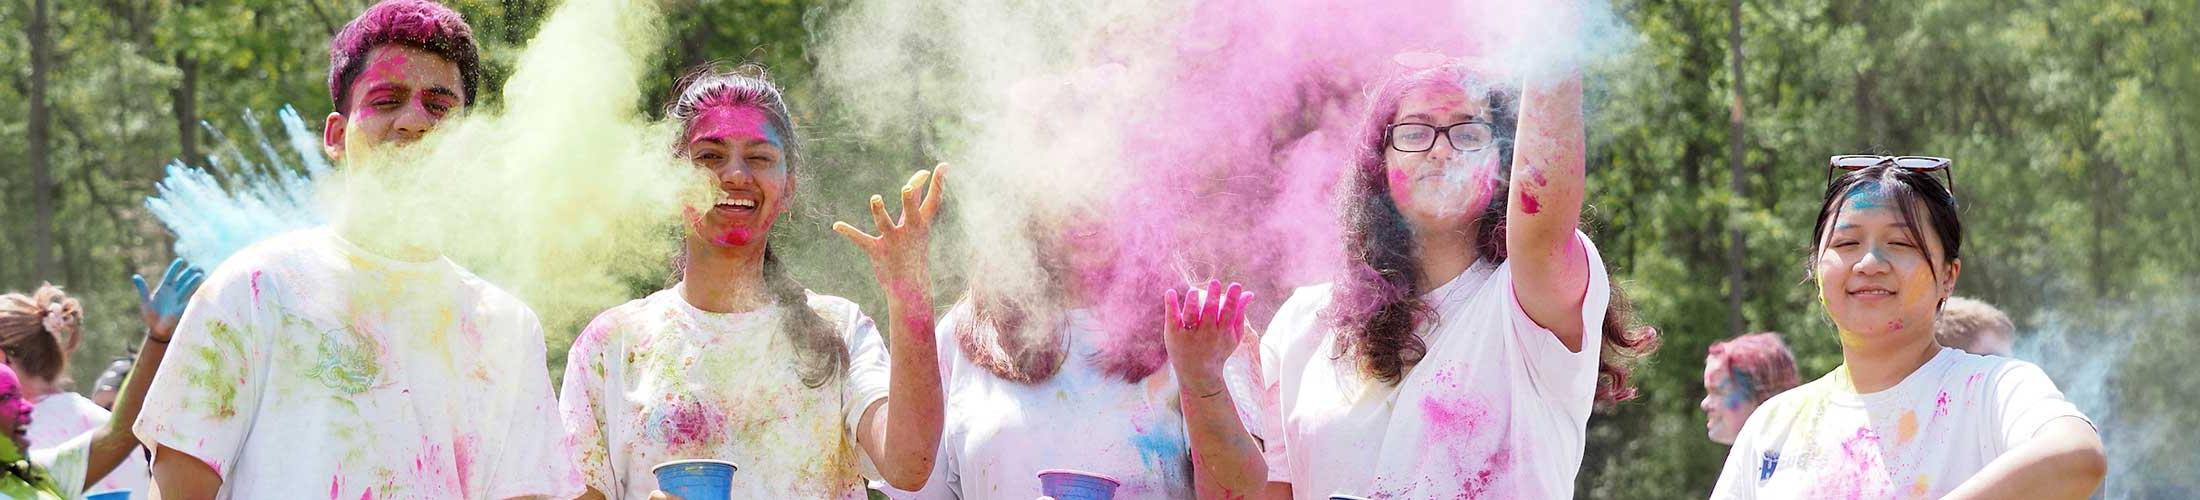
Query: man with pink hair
<point x="1740" y="374"/>
<point x="319" y="360"/>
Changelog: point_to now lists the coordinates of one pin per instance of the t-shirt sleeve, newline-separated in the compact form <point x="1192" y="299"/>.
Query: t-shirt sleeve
<point x="1296" y="318"/>
<point x="2027" y="400"/>
<point x="67" y="464"/>
<point x="581" y="403"/>
<point x="207" y="393"/>
<point x="868" y="371"/>
<point x="536" y="459"/>
<point x="1558" y="373"/>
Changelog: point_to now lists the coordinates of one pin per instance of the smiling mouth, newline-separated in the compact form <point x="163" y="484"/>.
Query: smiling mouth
<point x="736" y="206"/>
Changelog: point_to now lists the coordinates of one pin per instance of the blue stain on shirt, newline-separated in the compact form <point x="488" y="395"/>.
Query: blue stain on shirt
<point x="1771" y="462"/>
<point x="1157" y="446"/>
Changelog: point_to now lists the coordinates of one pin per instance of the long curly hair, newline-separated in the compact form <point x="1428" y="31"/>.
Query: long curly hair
<point x="823" y="354"/>
<point x="1378" y="307"/>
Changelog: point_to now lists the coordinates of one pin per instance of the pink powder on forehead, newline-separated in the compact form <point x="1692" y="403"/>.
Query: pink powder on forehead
<point x="733" y="124"/>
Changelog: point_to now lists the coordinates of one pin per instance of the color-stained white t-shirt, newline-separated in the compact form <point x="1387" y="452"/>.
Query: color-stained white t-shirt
<point x="63" y="416"/>
<point x="1497" y="408"/>
<point x="1001" y="433"/>
<point x="1918" y="439"/>
<point x="657" y="380"/>
<point x="65" y="463"/>
<point x="308" y="366"/>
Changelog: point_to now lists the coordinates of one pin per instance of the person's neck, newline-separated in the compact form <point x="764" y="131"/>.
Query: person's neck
<point x="1443" y="256"/>
<point x="1873" y="368"/>
<point x="723" y="279"/>
<point x="35" y="389"/>
<point x="357" y="233"/>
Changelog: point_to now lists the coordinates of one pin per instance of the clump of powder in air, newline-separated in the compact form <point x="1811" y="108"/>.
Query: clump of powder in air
<point x="234" y="202"/>
<point x="559" y="194"/>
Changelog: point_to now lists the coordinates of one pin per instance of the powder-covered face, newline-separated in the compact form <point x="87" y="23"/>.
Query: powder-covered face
<point x="15" y="412"/>
<point x="743" y="156"/>
<point x="1876" y="280"/>
<point x="1726" y="404"/>
<point x="1442" y="188"/>
<point x="401" y="93"/>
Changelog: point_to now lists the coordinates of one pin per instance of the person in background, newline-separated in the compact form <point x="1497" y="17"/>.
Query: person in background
<point x="1738" y="375"/>
<point x="67" y="466"/>
<point x="39" y="352"/>
<point x="1975" y="327"/>
<point x="110" y="380"/>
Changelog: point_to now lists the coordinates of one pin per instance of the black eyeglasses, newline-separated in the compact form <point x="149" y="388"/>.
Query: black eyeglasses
<point x="1471" y="135"/>
<point x="1922" y="164"/>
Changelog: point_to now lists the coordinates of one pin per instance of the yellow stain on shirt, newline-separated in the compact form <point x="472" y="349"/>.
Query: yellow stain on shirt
<point x="1908" y="427"/>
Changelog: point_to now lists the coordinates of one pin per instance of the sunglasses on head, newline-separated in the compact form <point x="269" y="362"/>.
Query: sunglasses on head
<point x="1921" y="164"/>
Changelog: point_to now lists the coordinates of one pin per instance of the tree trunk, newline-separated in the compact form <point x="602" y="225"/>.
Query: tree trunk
<point x="41" y="143"/>
<point x="1736" y="249"/>
<point x="185" y="99"/>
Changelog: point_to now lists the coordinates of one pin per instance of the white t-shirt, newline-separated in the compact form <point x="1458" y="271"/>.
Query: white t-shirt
<point x="657" y="380"/>
<point x="307" y="365"/>
<point x="1497" y="408"/>
<point x="66" y="464"/>
<point x="63" y="416"/>
<point x="1918" y="439"/>
<point x="1001" y="433"/>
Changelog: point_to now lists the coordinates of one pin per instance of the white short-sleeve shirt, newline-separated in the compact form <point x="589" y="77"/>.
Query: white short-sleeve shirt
<point x="657" y="380"/>
<point x="1497" y="408"/>
<point x="62" y="416"/>
<point x="1000" y="433"/>
<point x="1918" y="439"/>
<point x="306" y="365"/>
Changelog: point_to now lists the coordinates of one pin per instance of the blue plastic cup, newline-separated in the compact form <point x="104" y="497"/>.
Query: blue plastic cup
<point x="109" y="495"/>
<point x="1063" y="484"/>
<point x="696" y="479"/>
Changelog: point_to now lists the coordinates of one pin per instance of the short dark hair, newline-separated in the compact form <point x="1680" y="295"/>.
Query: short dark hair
<point x="421" y="24"/>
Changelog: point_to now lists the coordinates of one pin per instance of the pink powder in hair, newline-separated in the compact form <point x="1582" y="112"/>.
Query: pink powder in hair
<point x="733" y="124"/>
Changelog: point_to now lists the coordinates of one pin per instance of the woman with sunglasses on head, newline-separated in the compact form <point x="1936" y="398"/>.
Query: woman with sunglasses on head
<point x="1461" y="352"/>
<point x="1904" y="416"/>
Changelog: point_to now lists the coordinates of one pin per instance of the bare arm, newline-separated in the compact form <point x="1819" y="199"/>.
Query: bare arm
<point x="180" y="476"/>
<point x="161" y="309"/>
<point x="1550" y="266"/>
<point x="2064" y="460"/>
<point x="1200" y="332"/>
<point x="901" y="434"/>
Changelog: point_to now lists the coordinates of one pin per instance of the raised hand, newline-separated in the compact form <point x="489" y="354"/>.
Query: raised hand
<point x="1200" y="330"/>
<point x="898" y="252"/>
<point x="162" y="308"/>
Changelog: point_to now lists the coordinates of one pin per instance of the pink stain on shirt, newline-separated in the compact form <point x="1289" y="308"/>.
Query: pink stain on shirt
<point x="1940" y="408"/>
<point x="255" y="285"/>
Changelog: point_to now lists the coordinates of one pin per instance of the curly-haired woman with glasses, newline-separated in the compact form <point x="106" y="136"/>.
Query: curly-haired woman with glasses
<point x="1462" y="349"/>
